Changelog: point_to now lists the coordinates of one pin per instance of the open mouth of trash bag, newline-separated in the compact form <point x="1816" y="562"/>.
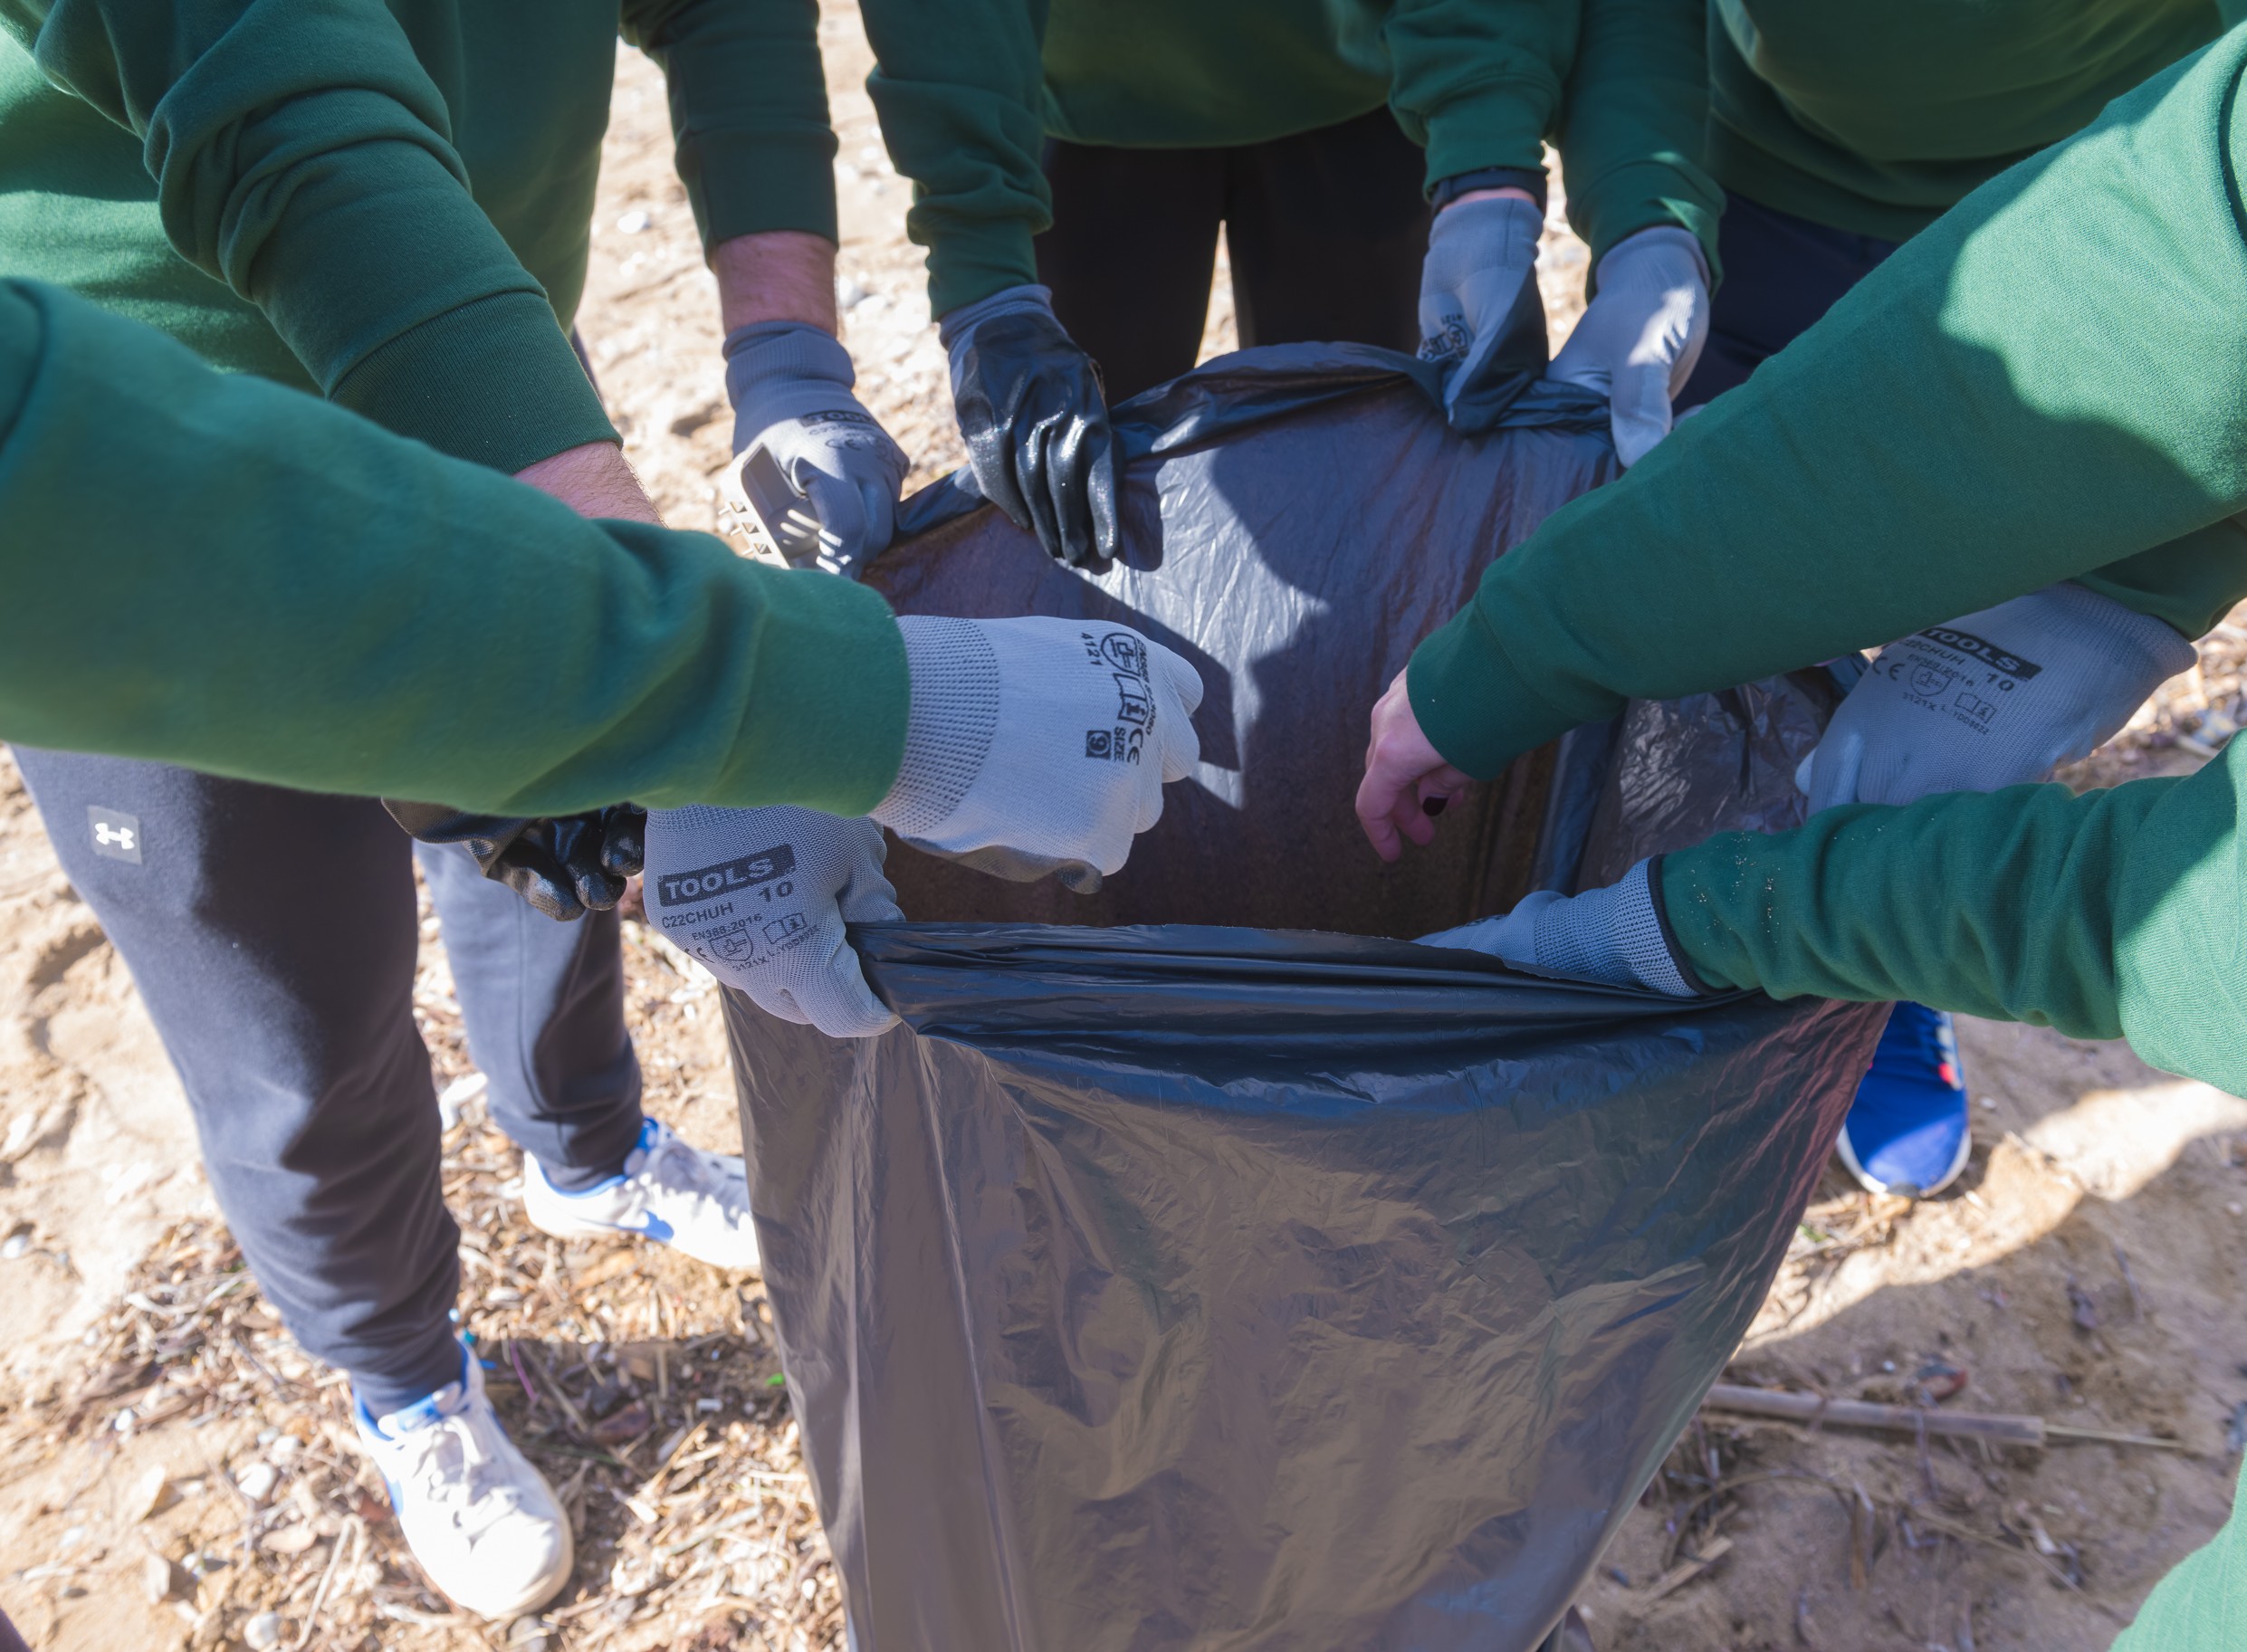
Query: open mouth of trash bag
<point x="1200" y="1263"/>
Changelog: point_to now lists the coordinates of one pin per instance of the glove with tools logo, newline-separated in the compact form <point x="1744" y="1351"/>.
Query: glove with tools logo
<point x="1998" y="698"/>
<point x="1033" y="747"/>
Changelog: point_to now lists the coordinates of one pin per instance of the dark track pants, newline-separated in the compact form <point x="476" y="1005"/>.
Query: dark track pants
<point x="1781" y="274"/>
<point x="1325" y="230"/>
<point x="272" y="935"/>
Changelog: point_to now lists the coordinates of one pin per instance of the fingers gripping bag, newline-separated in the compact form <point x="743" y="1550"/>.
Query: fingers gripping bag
<point x="1199" y="1264"/>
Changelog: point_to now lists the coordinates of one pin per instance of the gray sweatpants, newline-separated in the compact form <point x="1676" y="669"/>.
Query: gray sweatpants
<point x="272" y="934"/>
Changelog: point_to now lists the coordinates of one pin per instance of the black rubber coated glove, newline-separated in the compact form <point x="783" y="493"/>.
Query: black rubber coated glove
<point x="1035" y="420"/>
<point x="565" y="868"/>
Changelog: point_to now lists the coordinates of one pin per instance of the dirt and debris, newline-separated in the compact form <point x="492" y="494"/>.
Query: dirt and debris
<point x="174" y="1473"/>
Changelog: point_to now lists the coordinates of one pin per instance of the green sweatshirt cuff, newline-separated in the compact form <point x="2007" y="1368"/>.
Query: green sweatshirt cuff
<point x="494" y="382"/>
<point x="1474" y="707"/>
<point x="838" y="750"/>
<point x="970" y="264"/>
<point x="1499" y="124"/>
<point x="748" y="183"/>
<point x="1689" y="920"/>
<point x="1648" y="194"/>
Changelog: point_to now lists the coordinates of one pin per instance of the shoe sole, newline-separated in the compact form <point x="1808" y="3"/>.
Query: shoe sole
<point x="1873" y="1184"/>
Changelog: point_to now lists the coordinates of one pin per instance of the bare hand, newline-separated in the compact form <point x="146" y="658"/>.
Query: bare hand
<point x="593" y="479"/>
<point x="1406" y="782"/>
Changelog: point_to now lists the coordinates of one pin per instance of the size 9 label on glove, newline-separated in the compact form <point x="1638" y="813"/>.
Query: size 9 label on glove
<point x="1123" y="657"/>
<point x="731" y="912"/>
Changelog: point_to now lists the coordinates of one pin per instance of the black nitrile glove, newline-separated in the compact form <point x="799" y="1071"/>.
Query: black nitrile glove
<point x="1035" y="422"/>
<point x="565" y="868"/>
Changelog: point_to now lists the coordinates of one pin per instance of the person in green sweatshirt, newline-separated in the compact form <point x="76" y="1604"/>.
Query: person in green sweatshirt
<point x="2051" y="375"/>
<point x="316" y="613"/>
<point x="1838" y="132"/>
<point x="389" y="207"/>
<point x="1073" y="163"/>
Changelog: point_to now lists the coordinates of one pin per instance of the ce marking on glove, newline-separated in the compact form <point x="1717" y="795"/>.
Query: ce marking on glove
<point x="1125" y="656"/>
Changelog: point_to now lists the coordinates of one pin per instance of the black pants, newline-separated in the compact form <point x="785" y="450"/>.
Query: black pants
<point x="272" y="935"/>
<point x="1325" y="231"/>
<point x="1781" y="274"/>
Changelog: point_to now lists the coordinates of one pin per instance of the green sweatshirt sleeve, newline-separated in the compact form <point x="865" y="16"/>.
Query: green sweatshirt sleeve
<point x="749" y="110"/>
<point x="332" y="608"/>
<point x="959" y="88"/>
<point x="2119" y="913"/>
<point x="1478" y="82"/>
<point x="302" y="157"/>
<point x="1633" y="120"/>
<point x="2048" y="380"/>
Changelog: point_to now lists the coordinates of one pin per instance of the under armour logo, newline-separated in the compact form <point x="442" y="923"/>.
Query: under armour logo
<point x="116" y="836"/>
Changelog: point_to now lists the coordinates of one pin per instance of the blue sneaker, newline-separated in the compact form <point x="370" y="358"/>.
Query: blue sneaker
<point x="1906" y="1130"/>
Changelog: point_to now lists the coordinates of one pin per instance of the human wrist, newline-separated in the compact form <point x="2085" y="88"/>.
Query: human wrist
<point x="952" y="715"/>
<point x="594" y="480"/>
<point x="1708" y="955"/>
<point x="2105" y="623"/>
<point x="786" y="369"/>
<point x="1508" y="193"/>
<point x="1615" y="934"/>
<point x="956" y="323"/>
<point x="1526" y="181"/>
<point x="775" y="275"/>
<point x="1473" y="706"/>
<point x="1643" y="243"/>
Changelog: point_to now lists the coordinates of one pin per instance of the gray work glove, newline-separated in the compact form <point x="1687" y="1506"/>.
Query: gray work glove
<point x="1032" y="746"/>
<point x="791" y="387"/>
<point x="1641" y="335"/>
<point x="1039" y="745"/>
<point x="760" y="896"/>
<point x="1481" y="317"/>
<point x="1998" y="698"/>
<point x="1035" y="420"/>
<point x="1610" y="935"/>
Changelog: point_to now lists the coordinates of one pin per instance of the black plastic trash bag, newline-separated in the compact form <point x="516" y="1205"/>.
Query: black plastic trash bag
<point x="1295" y="519"/>
<point x="1172" y="1285"/>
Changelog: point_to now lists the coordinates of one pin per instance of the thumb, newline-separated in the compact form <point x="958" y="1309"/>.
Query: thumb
<point x="842" y="514"/>
<point x="1184" y="680"/>
<point x="1638" y="410"/>
<point x="1182" y="747"/>
<point x="834" y="996"/>
<point x="1834" y="769"/>
<point x="878" y="506"/>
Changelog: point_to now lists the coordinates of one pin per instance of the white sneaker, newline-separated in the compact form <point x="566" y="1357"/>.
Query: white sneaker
<point x="674" y="1194"/>
<point x="481" y="1521"/>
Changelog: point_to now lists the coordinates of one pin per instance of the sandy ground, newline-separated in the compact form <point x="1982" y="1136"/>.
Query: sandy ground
<point x="2085" y="1272"/>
